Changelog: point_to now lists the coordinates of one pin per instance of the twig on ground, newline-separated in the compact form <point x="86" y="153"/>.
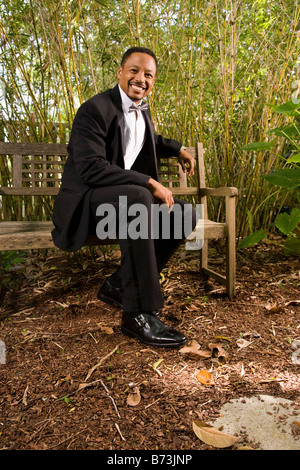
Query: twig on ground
<point x="113" y="401"/>
<point x="118" y="429"/>
<point x="100" y="362"/>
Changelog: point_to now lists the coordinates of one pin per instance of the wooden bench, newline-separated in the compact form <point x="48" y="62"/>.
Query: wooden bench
<point x="37" y="170"/>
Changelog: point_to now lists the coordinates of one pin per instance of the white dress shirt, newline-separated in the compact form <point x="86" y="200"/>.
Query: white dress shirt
<point x="134" y="131"/>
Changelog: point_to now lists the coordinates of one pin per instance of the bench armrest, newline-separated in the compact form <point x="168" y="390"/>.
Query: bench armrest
<point x="226" y="191"/>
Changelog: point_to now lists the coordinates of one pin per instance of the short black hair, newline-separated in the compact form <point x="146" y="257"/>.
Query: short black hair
<point x="143" y="50"/>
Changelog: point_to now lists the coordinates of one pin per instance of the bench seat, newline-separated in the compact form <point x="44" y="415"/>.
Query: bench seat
<point x="27" y="235"/>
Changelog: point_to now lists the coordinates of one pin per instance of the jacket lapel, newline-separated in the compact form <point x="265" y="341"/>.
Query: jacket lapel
<point x="149" y="127"/>
<point x="116" y="99"/>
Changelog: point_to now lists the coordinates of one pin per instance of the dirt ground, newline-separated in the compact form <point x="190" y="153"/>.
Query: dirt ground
<point x="71" y="380"/>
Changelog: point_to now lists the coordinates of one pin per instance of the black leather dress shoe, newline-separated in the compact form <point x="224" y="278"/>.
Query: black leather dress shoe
<point x="110" y="295"/>
<point x="151" y="331"/>
<point x="113" y="296"/>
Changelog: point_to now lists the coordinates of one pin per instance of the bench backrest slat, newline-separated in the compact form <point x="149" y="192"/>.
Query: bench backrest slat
<point x="35" y="148"/>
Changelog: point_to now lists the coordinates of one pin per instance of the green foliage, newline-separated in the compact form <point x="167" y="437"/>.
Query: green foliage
<point x="289" y="108"/>
<point x="286" y="178"/>
<point x="253" y="239"/>
<point x="289" y="225"/>
<point x="256" y="146"/>
<point x="292" y="246"/>
<point x="9" y="261"/>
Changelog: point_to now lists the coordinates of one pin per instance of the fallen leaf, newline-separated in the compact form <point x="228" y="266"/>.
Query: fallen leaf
<point x="218" y="349"/>
<point x="106" y="329"/>
<point x="251" y="334"/>
<point x="193" y="351"/>
<point x="224" y="338"/>
<point x="134" y="397"/>
<point x="64" y="379"/>
<point x="90" y="384"/>
<point x="211" y="436"/>
<point x="155" y="366"/>
<point x="243" y="343"/>
<point x="82" y="386"/>
<point x="275" y="308"/>
<point x="244" y="448"/>
<point x="205" y="377"/>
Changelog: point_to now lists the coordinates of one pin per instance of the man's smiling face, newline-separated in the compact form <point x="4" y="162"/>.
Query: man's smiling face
<point x="137" y="76"/>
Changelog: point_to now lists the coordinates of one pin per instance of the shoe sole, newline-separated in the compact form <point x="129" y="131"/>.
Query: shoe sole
<point x="149" y="343"/>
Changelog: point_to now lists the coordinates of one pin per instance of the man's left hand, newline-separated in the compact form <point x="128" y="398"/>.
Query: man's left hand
<point x="187" y="162"/>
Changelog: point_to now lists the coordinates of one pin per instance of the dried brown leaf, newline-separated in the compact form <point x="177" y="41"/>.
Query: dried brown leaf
<point x="244" y="448"/>
<point x="205" y="377"/>
<point x="211" y="436"/>
<point x="218" y="349"/>
<point x="275" y="308"/>
<point x="243" y="343"/>
<point x="134" y="397"/>
<point x="107" y="329"/>
<point x="64" y="379"/>
<point x="193" y="351"/>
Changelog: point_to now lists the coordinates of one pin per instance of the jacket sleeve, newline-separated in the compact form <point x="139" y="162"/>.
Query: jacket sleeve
<point x="88" y="145"/>
<point x="167" y="147"/>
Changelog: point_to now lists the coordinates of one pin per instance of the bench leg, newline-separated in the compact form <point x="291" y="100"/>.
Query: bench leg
<point x="230" y="247"/>
<point x="204" y="255"/>
<point x="229" y="279"/>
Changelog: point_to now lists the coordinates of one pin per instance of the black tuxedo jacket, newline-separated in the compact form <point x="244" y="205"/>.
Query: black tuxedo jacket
<point x="95" y="159"/>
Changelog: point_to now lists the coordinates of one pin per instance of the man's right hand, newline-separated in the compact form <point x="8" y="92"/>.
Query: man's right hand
<point x="160" y="192"/>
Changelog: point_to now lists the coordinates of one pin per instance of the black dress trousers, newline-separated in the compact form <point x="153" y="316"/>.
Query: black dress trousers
<point x="148" y="236"/>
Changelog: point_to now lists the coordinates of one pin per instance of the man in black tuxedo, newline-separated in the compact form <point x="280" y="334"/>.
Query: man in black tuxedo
<point x="112" y="156"/>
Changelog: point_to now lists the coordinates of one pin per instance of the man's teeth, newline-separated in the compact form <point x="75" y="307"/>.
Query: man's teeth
<point x="137" y="87"/>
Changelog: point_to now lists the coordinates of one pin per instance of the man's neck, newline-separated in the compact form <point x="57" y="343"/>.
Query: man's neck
<point x="127" y="102"/>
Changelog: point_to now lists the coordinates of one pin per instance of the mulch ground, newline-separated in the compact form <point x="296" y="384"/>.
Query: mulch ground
<point x="71" y="380"/>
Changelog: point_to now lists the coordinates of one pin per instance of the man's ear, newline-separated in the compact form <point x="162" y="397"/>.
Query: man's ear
<point x="119" y="72"/>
